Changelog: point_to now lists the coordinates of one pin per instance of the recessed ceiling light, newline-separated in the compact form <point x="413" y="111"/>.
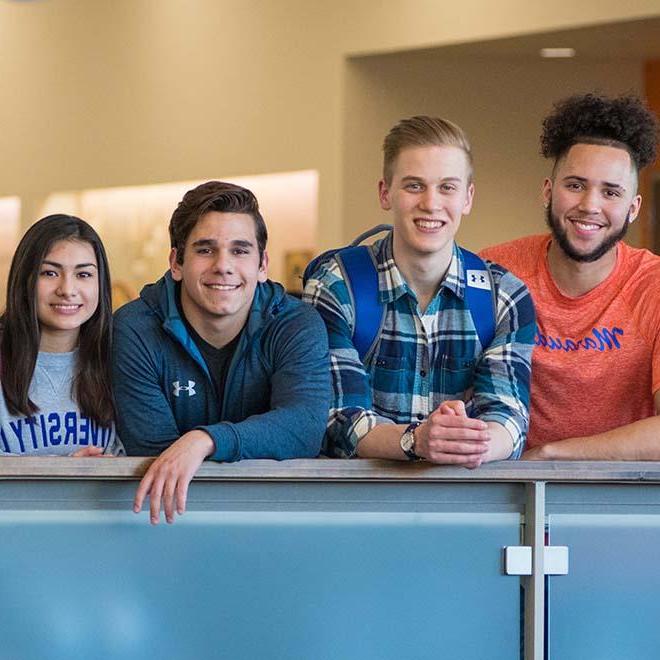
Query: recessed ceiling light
<point x="557" y="52"/>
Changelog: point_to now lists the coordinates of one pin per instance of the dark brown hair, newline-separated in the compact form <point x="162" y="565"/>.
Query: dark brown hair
<point x="214" y="196"/>
<point x="422" y="131"/>
<point x="21" y="333"/>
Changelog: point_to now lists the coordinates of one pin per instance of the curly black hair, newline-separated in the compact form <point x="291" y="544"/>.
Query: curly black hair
<point x="596" y="119"/>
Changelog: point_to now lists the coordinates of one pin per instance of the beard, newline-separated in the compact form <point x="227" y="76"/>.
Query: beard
<point x="560" y="235"/>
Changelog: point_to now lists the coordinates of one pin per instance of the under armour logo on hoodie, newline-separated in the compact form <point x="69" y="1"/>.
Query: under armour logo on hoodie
<point x="178" y="388"/>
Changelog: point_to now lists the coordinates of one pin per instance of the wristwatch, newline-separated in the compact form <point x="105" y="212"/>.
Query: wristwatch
<point x="408" y="442"/>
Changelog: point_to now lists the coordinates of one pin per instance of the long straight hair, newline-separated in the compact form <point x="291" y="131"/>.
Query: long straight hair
<point x="21" y="333"/>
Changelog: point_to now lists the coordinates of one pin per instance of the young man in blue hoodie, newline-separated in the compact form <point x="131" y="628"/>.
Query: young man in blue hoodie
<point x="214" y="360"/>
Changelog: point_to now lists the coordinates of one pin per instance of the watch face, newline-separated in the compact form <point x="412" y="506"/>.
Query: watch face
<point x="407" y="441"/>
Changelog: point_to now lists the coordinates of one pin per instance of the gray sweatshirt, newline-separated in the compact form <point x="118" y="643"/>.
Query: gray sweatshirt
<point x="58" y="427"/>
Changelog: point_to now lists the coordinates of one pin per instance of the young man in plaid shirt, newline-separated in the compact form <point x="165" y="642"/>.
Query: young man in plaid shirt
<point x="428" y="389"/>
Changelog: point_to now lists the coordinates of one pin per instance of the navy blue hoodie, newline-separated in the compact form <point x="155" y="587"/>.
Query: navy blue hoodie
<point x="277" y="392"/>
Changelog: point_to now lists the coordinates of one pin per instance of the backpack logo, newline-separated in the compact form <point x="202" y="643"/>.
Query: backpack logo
<point x="478" y="279"/>
<point x="178" y="388"/>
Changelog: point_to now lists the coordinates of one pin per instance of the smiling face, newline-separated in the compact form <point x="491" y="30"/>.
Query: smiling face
<point x="591" y="199"/>
<point x="219" y="273"/>
<point x="429" y="192"/>
<point x="67" y="293"/>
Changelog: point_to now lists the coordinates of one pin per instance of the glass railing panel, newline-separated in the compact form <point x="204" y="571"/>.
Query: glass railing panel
<point x="266" y="584"/>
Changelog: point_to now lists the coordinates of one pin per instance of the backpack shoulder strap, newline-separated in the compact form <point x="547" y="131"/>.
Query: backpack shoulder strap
<point x="369" y="233"/>
<point x="480" y="296"/>
<point x="317" y="261"/>
<point x="361" y="275"/>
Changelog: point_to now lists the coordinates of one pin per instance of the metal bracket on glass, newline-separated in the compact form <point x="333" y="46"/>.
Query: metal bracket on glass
<point x="518" y="560"/>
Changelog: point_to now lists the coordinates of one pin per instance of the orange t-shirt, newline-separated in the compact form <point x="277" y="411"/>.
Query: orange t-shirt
<point x="596" y="365"/>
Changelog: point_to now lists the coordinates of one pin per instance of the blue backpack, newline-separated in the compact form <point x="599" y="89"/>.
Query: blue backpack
<point x="358" y="266"/>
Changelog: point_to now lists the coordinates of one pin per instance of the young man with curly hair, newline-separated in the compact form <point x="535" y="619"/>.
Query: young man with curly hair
<point x="596" y="364"/>
<point x="431" y="387"/>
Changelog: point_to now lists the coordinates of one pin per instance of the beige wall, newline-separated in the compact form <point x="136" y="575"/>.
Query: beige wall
<point x="110" y="93"/>
<point x="500" y="104"/>
<point x="99" y="93"/>
<point x="133" y="221"/>
<point x="364" y="27"/>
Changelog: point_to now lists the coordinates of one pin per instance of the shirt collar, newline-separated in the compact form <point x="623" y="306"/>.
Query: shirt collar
<point x="391" y="283"/>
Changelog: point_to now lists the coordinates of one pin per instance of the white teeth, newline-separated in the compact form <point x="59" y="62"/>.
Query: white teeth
<point x="223" y="287"/>
<point x="586" y="226"/>
<point x="65" y="307"/>
<point x="429" y="224"/>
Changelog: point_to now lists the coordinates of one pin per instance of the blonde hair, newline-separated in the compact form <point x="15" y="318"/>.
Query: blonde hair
<point x="422" y="131"/>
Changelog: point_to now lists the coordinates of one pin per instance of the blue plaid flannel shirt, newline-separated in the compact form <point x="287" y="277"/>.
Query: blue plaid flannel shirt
<point x="424" y="359"/>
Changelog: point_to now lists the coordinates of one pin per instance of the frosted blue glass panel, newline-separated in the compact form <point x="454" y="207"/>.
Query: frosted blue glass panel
<point x="608" y="606"/>
<point x="257" y="585"/>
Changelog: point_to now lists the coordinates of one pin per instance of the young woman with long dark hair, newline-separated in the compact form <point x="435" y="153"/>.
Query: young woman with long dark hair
<point x="55" y="344"/>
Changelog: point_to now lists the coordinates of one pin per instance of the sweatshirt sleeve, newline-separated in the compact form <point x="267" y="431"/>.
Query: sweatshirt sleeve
<point x="115" y="446"/>
<point x="145" y="422"/>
